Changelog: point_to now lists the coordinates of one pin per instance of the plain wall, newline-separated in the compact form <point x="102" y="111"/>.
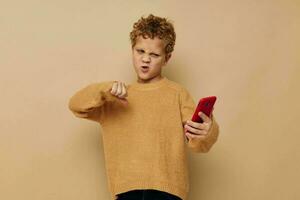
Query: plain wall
<point x="244" y="52"/>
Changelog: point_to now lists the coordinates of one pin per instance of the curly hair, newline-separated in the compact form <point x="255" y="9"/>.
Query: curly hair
<point x="154" y="26"/>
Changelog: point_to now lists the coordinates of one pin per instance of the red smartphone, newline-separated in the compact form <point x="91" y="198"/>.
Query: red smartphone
<point x="206" y="106"/>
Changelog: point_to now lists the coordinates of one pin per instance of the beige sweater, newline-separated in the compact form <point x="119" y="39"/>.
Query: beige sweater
<point x="144" y="142"/>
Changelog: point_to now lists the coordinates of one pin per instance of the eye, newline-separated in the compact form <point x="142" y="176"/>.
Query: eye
<point x="155" y="55"/>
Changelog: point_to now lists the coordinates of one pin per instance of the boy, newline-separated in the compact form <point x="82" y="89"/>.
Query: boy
<point x="146" y="125"/>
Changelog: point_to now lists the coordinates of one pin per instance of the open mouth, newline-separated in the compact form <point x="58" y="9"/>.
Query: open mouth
<point x="145" y="69"/>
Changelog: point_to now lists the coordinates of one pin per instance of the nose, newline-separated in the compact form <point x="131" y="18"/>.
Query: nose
<point x="146" y="59"/>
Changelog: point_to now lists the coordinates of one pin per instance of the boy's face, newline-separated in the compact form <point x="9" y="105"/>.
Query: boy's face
<point x="151" y="53"/>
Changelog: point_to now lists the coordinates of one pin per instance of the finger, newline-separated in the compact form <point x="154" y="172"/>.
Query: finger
<point x="194" y="130"/>
<point x="119" y="89"/>
<point x="190" y="136"/>
<point x="211" y="114"/>
<point x="125" y="90"/>
<point x="197" y="125"/>
<point x="114" y="88"/>
<point x="124" y="93"/>
<point x="204" y="117"/>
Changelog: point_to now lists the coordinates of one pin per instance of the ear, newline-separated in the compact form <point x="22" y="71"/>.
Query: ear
<point x="168" y="57"/>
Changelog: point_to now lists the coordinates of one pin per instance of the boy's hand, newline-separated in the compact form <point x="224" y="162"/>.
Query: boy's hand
<point x="119" y="90"/>
<point x="198" y="130"/>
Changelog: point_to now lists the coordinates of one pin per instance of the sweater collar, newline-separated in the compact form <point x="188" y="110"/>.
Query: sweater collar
<point x="151" y="85"/>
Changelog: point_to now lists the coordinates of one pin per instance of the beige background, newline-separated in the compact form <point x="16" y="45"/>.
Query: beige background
<point x="244" y="52"/>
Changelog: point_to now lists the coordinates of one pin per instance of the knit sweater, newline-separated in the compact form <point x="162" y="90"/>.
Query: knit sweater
<point x="144" y="142"/>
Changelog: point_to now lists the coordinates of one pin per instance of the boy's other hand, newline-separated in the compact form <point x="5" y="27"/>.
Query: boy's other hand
<point x="119" y="90"/>
<point x="196" y="129"/>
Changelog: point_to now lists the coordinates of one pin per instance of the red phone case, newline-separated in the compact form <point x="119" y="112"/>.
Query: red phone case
<point x="205" y="105"/>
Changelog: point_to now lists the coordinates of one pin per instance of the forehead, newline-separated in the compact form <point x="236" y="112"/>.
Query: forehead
<point x="154" y="44"/>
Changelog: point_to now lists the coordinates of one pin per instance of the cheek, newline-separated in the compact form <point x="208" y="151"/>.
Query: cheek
<point x="158" y="61"/>
<point x="134" y="58"/>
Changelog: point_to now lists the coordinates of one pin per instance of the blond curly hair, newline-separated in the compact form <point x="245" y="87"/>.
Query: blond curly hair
<point x="154" y="26"/>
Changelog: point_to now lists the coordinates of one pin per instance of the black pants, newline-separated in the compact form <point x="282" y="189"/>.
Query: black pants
<point x="148" y="194"/>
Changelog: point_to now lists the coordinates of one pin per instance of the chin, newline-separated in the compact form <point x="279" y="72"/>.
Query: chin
<point x="145" y="78"/>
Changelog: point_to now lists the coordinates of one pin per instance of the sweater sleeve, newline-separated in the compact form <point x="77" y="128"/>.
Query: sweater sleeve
<point x="187" y="109"/>
<point x="88" y="101"/>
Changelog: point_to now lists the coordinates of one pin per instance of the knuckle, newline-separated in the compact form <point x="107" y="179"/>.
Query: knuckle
<point x="113" y="91"/>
